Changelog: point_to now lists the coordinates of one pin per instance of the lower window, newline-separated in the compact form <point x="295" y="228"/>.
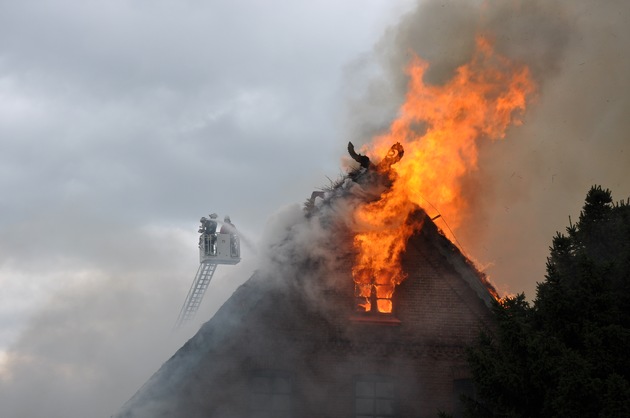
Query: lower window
<point x="271" y="395"/>
<point x="374" y="397"/>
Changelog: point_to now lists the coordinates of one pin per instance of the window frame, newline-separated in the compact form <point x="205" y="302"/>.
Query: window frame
<point x="391" y="397"/>
<point x="274" y="393"/>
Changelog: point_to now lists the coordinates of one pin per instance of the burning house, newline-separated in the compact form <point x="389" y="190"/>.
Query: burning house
<point x="303" y="338"/>
<point x="361" y="307"/>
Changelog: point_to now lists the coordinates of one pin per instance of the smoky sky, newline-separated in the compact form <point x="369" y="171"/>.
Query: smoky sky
<point x="122" y="123"/>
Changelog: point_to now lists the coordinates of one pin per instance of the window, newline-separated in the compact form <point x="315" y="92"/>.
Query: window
<point x="374" y="397"/>
<point x="374" y="298"/>
<point x="271" y="394"/>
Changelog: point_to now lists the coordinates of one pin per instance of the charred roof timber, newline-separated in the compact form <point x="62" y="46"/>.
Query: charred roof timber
<point x="363" y="160"/>
<point x="394" y="155"/>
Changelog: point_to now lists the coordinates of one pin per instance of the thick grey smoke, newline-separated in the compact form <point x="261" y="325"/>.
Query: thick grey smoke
<point x="575" y="131"/>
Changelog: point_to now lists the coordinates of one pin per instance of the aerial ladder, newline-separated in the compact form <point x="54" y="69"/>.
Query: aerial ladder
<point x="222" y="247"/>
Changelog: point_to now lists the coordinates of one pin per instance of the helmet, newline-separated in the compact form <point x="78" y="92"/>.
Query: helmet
<point x="214" y="216"/>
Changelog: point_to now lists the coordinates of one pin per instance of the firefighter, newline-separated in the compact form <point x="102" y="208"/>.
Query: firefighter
<point x="229" y="228"/>
<point x="211" y="231"/>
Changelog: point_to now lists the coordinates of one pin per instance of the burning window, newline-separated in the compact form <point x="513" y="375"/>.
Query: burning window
<point x="374" y="298"/>
<point x="271" y="395"/>
<point x="374" y="397"/>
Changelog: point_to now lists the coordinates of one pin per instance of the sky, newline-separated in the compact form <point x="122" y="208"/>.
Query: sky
<point x="123" y="122"/>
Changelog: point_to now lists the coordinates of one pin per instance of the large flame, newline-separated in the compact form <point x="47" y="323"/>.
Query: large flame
<point x="483" y="98"/>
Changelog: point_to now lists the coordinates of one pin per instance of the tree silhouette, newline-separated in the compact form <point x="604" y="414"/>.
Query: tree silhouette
<point x="567" y="354"/>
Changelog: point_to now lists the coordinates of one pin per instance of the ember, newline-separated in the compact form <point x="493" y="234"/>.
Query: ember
<point x="479" y="102"/>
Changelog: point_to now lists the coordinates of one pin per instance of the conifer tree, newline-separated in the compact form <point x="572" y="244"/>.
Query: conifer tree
<point x="568" y="353"/>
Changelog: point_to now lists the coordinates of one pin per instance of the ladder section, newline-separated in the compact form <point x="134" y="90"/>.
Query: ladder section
<point x="196" y="292"/>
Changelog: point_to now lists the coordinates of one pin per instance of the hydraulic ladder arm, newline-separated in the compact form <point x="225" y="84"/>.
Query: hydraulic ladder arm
<point x="195" y="294"/>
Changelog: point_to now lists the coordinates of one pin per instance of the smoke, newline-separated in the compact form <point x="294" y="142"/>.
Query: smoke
<point x="311" y="244"/>
<point x="574" y="133"/>
<point x="105" y="324"/>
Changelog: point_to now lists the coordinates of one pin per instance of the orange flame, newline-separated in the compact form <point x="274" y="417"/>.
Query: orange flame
<point x="479" y="102"/>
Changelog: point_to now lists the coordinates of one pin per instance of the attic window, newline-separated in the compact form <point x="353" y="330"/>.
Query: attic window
<point x="374" y="298"/>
